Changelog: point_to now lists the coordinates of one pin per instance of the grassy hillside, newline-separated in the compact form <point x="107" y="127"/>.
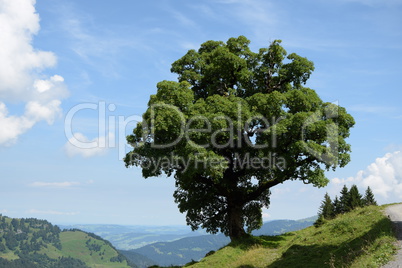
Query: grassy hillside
<point x="187" y="249"/>
<point x="37" y="243"/>
<point x="361" y="238"/>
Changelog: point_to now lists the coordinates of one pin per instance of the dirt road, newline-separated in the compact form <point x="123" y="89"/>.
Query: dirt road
<point x="394" y="212"/>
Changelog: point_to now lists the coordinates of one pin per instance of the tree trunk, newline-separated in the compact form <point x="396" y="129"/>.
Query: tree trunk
<point x="235" y="222"/>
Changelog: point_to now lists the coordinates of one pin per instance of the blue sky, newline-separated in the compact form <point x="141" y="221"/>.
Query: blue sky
<point x="89" y="67"/>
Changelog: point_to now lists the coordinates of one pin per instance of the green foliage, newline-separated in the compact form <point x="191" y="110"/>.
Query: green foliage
<point x="42" y="261"/>
<point x="236" y="124"/>
<point x="337" y="206"/>
<point x="327" y="210"/>
<point x="369" y="199"/>
<point x="320" y="221"/>
<point x="344" y="200"/>
<point x="355" y="198"/>
<point x="349" y="200"/>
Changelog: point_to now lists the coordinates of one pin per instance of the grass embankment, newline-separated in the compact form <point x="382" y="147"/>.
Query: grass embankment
<point x="361" y="238"/>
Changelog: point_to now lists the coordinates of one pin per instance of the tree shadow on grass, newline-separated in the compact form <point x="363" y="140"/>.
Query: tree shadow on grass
<point x="264" y="241"/>
<point x="329" y="255"/>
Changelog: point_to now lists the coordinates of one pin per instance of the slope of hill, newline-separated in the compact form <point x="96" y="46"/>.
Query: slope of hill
<point x="181" y="251"/>
<point x="132" y="237"/>
<point x="361" y="238"/>
<point x="278" y="227"/>
<point x="187" y="249"/>
<point x="37" y="243"/>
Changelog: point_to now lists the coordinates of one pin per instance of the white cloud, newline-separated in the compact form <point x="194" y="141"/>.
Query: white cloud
<point x="79" y="144"/>
<point x="12" y="126"/>
<point x="21" y="66"/>
<point x="384" y="177"/>
<point x="51" y="212"/>
<point x="266" y="216"/>
<point x="65" y="184"/>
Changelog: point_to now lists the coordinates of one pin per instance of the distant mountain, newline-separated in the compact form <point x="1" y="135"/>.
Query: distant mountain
<point x="184" y="250"/>
<point x="132" y="237"/>
<point x="278" y="227"/>
<point x="181" y="251"/>
<point x="31" y="243"/>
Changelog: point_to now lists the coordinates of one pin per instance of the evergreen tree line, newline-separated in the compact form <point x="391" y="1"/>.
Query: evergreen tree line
<point x="347" y="201"/>
<point x="42" y="261"/>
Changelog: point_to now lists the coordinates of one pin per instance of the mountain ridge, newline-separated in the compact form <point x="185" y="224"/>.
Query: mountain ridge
<point x="31" y="243"/>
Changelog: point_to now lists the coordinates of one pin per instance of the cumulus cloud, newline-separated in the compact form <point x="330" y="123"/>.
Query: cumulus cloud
<point x="81" y="145"/>
<point x="384" y="177"/>
<point x="21" y="67"/>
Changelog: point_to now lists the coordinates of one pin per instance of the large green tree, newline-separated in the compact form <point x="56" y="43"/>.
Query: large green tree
<point x="236" y="124"/>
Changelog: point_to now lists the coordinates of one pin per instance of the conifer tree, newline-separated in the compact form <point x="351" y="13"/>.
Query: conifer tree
<point x="355" y="198"/>
<point x="344" y="200"/>
<point x="368" y="199"/>
<point x="337" y="206"/>
<point x="327" y="208"/>
<point x="320" y="221"/>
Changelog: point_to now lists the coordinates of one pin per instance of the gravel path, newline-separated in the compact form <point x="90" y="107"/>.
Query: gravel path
<point x="395" y="214"/>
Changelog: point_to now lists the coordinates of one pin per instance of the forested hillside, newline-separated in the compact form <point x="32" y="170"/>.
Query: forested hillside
<point x="37" y="243"/>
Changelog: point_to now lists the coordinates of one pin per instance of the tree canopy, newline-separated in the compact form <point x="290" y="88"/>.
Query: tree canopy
<point x="234" y="125"/>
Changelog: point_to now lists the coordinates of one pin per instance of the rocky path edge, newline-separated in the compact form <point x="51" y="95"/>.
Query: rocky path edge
<point x="394" y="213"/>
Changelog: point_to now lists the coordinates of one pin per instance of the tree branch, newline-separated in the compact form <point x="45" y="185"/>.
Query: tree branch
<point x="261" y="188"/>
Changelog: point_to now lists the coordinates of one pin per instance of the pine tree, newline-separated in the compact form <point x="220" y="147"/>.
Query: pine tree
<point x="327" y="208"/>
<point x="337" y="206"/>
<point x="355" y="198"/>
<point x="344" y="200"/>
<point x="320" y="221"/>
<point x="368" y="199"/>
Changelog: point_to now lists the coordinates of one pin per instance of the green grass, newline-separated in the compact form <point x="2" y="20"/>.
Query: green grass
<point x="8" y="255"/>
<point x="362" y="238"/>
<point x="73" y="244"/>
